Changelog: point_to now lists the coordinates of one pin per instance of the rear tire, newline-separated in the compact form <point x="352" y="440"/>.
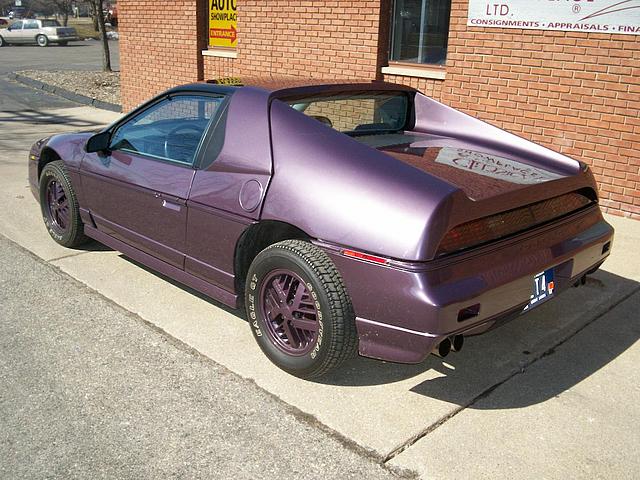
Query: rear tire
<point x="59" y="206"/>
<point x="2" y="42"/>
<point x="42" y="41"/>
<point x="299" y="310"/>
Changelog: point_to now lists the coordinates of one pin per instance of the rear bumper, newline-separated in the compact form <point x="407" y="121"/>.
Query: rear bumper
<point x="62" y="38"/>
<point x="404" y="312"/>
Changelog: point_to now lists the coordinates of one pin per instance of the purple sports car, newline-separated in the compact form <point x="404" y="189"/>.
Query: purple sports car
<point x="350" y="217"/>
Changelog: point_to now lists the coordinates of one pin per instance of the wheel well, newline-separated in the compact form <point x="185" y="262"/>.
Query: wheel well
<point x="255" y="239"/>
<point x="47" y="155"/>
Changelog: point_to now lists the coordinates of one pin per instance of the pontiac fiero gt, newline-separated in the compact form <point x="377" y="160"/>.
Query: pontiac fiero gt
<point x="346" y="217"/>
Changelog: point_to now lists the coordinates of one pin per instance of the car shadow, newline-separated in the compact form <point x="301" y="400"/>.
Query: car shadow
<point x="93" y="246"/>
<point x="38" y="117"/>
<point x="488" y="360"/>
<point x="237" y="312"/>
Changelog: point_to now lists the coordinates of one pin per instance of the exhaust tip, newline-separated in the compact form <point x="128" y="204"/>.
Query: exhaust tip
<point x="457" y="341"/>
<point x="443" y="348"/>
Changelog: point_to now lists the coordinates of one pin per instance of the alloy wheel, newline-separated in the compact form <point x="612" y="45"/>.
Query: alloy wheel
<point x="57" y="207"/>
<point x="290" y="312"/>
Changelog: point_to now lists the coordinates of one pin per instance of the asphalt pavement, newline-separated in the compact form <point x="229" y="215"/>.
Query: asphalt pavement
<point x="83" y="55"/>
<point x="90" y="390"/>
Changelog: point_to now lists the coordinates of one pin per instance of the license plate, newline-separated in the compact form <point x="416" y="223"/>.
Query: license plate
<point x="543" y="288"/>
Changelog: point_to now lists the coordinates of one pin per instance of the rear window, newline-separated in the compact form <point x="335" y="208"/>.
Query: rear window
<point x="354" y="113"/>
<point x="50" y="23"/>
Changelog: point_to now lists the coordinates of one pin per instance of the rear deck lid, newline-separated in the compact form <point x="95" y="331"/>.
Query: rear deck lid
<point x="480" y="174"/>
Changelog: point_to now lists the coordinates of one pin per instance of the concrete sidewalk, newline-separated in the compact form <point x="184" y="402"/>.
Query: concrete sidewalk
<point x="399" y="412"/>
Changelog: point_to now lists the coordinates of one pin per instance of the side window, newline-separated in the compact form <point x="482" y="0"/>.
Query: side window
<point x="30" y="25"/>
<point x="16" y="25"/>
<point x="170" y="129"/>
<point x="357" y="111"/>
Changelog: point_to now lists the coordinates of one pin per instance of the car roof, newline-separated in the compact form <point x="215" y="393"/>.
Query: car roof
<point x="279" y="87"/>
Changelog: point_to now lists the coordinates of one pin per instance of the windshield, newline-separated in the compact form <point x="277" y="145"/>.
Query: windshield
<point x="357" y="113"/>
<point x="50" y="23"/>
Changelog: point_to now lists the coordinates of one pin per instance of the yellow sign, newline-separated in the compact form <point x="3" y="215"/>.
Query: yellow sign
<point x="222" y="23"/>
<point x="232" y="81"/>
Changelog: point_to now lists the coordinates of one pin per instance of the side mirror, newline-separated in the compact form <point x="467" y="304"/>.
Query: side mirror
<point x="98" y="143"/>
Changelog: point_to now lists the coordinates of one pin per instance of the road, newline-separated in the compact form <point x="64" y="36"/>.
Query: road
<point x="85" y="55"/>
<point x="89" y="390"/>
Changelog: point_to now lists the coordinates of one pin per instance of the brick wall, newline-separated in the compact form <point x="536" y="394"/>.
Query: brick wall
<point x="159" y="47"/>
<point x="577" y="93"/>
<point x="304" y="38"/>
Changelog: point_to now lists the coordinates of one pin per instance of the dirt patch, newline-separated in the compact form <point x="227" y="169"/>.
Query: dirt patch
<point x="103" y="86"/>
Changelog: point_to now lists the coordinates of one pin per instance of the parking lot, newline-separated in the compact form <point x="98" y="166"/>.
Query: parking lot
<point x="82" y="55"/>
<point x="552" y="394"/>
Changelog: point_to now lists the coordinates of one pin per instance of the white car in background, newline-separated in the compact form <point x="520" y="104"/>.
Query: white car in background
<point x="40" y="32"/>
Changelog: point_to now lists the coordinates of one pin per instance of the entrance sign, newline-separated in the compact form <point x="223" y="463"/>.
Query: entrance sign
<point x="223" y="23"/>
<point x="597" y="16"/>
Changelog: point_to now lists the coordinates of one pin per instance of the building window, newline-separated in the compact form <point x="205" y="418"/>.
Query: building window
<point x="419" y="31"/>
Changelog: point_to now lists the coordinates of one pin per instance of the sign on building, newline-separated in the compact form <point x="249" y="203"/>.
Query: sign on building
<point x="597" y="16"/>
<point x="222" y="23"/>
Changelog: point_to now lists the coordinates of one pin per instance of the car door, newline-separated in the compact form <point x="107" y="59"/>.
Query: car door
<point x="137" y="191"/>
<point x="229" y="188"/>
<point x="30" y="29"/>
<point x="13" y="34"/>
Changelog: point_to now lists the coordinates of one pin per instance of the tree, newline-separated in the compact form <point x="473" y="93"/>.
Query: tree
<point x="5" y="6"/>
<point x="93" y="13"/>
<point x="106" y="57"/>
<point x="64" y="8"/>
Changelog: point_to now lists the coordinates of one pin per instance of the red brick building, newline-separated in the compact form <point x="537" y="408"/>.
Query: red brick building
<point x="577" y="92"/>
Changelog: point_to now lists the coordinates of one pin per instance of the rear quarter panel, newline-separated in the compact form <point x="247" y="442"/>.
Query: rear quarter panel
<point x="338" y="190"/>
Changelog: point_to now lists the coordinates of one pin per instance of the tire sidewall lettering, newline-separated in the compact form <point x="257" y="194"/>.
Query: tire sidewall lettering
<point x="314" y="353"/>
<point x="251" y="305"/>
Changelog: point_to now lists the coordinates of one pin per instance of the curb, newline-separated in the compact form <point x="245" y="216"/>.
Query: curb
<point x="64" y="93"/>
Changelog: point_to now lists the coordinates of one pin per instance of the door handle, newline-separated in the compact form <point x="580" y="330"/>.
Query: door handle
<point x="170" y="205"/>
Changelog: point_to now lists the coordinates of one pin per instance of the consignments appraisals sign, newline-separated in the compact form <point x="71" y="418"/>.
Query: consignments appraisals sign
<point x="597" y="16"/>
<point x="223" y="23"/>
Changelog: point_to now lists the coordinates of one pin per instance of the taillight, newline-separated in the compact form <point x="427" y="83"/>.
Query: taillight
<point x="495" y="227"/>
<point x="364" y="256"/>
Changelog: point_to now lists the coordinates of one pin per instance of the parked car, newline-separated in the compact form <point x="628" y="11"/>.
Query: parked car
<point x="40" y="32"/>
<point x="348" y="217"/>
<point x="3" y="22"/>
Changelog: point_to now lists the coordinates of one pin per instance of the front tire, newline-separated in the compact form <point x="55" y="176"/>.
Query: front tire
<point x="42" y="40"/>
<point x="2" y="42"/>
<point x="59" y="206"/>
<point x="299" y="310"/>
